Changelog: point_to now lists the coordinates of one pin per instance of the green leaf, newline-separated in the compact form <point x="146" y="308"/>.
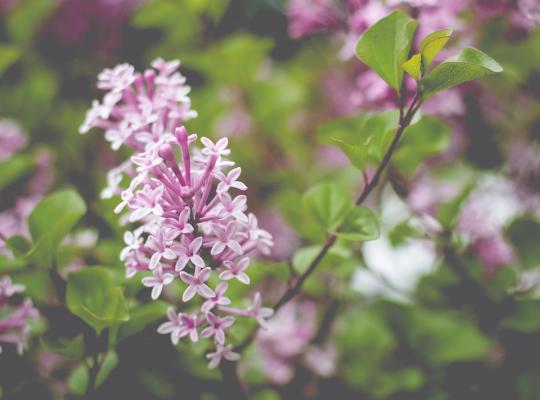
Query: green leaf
<point x="19" y="245"/>
<point x="77" y="381"/>
<point x="432" y="44"/>
<point x="51" y="220"/>
<point x="72" y="347"/>
<point x="109" y="363"/>
<point x="93" y="297"/>
<point x="469" y="65"/>
<point x="25" y="19"/>
<point x="328" y="204"/>
<point x="304" y="256"/>
<point x="363" y="140"/>
<point x="386" y="46"/>
<point x="427" y="137"/>
<point x="413" y="66"/>
<point x="525" y="318"/>
<point x="8" y="55"/>
<point x="142" y="316"/>
<point x="360" y="225"/>
<point x="449" y="212"/>
<point x="524" y="233"/>
<point x="15" y="168"/>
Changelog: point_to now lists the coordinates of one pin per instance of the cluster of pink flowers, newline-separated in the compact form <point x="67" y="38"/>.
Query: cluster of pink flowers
<point x="14" y="319"/>
<point x="288" y="337"/>
<point x="192" y="229"/>
<point x="95" y="24"/>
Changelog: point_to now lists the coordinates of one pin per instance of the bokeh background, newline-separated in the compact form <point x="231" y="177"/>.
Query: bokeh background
<point x="402" y="317"/>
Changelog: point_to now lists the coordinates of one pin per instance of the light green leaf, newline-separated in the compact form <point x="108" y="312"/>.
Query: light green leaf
<point x="469" y="65"/>
<point x="328" y="204"/>
<point x="93" y="297"/>
<point x="524" y="233"/>
<point x="77" y="381"/>
<point x="360" y="225"/>
<point x="432" y="44"/>
<point x="413" y="66"/>
<point x="15" y="168"/>
<point x="108" y="364"/>
<point x="386" y="46"/>
<point x="8" y="55"/>
<point x="51" y="220"/>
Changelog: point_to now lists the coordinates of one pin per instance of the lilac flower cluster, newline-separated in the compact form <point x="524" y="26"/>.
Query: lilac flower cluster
<point x="192" y="229"/>
<point x="14" y="216"/>
<point x="14" y="327"/>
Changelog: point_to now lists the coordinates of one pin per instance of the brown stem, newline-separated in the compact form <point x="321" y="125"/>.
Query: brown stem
<point x="404" y="121"/>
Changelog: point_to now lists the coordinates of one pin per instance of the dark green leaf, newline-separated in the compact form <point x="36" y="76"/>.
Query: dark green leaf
<point x="524" y="233"/>
<point x="142" y="316"/>
<point x="93" y="297"/>
<point x="386" y="46"/>
<point x="449" y="212"/>
<point x="72" y="347"/>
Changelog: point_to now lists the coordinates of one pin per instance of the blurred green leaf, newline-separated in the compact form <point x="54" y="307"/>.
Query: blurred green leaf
<point x="50" y="221"/>
<point x="524" y="234"/>
<point x="72" y="347"/>
<point x="469" y="65"/>
<point x="525" y="317"/>
<point x="15" y="168"/>
<point x="386" y="45"/>
<point x="364" y="140"/>
<point x="8" y="55"/>
<point x="108" y="364"/>
<point x="93" y="297"/>
<point x="449" y="212"/>
<point x="328" y="204"/>
<point x="77" y="380"/>
<point x="360" y="224"/>
<point x="27" y="17"/>
<point x="142" y="316"/>
<point x="427" y="137"/>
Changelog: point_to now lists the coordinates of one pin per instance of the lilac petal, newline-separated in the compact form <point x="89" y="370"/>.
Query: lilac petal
<point x="197" y="261"/>
<point x="189" y="293"/>
<point x="235" y="246"/>
<point x="217" y="248"/>
<point x="244" y="278"/>
<point x="181" y="263"/>
<point x="154" y="261"/>
<point x="226" y="275"/>
<point x="156" y="291"/>
<point x="205" y="291"/>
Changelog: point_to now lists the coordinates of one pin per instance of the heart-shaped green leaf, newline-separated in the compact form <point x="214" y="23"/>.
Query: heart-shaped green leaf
<point x="360" y="224"/>
<point x="386" y="46"/>
<point x="328" y="204"/>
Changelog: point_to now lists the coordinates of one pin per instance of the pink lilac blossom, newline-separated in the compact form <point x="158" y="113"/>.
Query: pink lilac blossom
<point x="12" y="139"/>
<point x="287" y="337"/>
<point x="95" y="23"/>
<point x="192" y="228"/>
<point x="14" y="320"/>
<point x="481" y="222"/>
